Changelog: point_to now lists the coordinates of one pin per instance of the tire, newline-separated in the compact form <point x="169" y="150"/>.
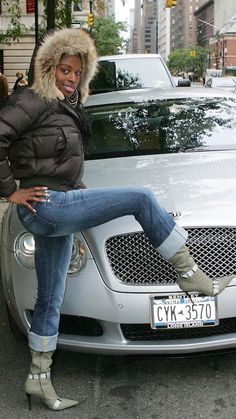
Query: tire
<point x="15" y="330"/>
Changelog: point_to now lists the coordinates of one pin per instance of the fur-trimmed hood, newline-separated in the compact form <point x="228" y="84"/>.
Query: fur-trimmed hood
<point x="69" y="42"/>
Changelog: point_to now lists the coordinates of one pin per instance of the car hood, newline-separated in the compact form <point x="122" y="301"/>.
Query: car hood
<point x="201" y="186"/>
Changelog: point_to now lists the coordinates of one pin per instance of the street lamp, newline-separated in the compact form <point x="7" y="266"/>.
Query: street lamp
<point x="90" y="18"/>
<point x="217" y="36"/>
<point x="90" y="6"/>
<point x="207" y="23"/>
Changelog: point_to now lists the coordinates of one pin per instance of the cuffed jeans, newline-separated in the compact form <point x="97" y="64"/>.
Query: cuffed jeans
<point x="65" y="213"/>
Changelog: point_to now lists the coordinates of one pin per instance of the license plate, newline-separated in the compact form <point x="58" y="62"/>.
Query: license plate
<point x="178" y="311"/>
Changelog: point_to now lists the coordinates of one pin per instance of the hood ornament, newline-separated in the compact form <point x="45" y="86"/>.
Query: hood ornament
<point x="176" y="214"/>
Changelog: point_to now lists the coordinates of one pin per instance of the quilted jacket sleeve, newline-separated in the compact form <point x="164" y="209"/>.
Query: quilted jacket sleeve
<point x="15" y="119"/>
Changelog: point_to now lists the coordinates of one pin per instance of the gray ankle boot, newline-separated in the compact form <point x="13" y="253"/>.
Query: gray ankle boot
<point x="191" y="278"/>
<point x="39" y="384"/>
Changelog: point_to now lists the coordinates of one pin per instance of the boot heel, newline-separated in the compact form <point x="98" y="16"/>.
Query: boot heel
<point x="29" y="400"/>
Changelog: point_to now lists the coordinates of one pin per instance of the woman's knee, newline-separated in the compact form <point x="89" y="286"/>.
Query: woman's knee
<point x="147" y="193"/>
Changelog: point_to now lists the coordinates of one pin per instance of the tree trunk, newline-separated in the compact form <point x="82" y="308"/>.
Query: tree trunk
<point x="51" y="4"/>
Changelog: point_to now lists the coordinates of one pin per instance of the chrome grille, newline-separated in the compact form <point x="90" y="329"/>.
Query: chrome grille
<point x="134" y="260"/>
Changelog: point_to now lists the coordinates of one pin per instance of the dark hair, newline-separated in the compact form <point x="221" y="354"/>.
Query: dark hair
<point x="3" y="85"/>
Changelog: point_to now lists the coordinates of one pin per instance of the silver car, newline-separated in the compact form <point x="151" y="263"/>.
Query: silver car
<point x="181" y="143"/>
<point x="225" y="83"/>
<point x="131" y="71"/>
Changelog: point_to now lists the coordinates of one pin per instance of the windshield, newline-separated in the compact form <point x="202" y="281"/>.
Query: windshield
<point x="159" y="127"/>
<point x="130" y="73"/>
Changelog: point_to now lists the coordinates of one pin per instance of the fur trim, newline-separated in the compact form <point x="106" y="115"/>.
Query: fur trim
<point x="69" y="42"/>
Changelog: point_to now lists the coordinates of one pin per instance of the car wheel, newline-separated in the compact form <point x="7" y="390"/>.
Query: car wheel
<point x="16" y="332"/>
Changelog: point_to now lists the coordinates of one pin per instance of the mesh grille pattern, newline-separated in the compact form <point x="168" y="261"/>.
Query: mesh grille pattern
<point x="75" y="325"/>
<point x="82" y="326"/>
<point x="134" y="260"/>
<point x="143" y="332"/>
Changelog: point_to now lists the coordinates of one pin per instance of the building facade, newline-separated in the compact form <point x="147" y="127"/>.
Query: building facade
<point x="17" y="56"/>
<point x="109" y="9"/>
<point x="182" y="23"/>
<point x="149" y="33"/>
<point x="135" y="29"/>
<point x="144" y="24"/>
<point x="176" y="25"/>
<point x="216" y="30"/>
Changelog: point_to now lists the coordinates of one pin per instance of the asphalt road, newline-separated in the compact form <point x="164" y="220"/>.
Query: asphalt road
<point x="120" y="388"/>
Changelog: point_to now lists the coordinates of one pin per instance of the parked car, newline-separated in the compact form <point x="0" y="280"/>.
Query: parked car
<point x="121" y="296"/>
<point x="212" y="72"/>
<point x="132" y="71"/>
<point x="225" y="83"/>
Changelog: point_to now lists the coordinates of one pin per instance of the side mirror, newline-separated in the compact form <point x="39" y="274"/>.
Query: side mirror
<point x="184" y="83"/>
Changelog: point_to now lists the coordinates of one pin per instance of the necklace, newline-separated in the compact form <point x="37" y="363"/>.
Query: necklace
<point x="73" y="99"/>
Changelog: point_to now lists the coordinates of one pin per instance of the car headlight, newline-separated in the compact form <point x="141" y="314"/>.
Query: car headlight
<point x="25" y="247"/>
<point x="78" y="256"/>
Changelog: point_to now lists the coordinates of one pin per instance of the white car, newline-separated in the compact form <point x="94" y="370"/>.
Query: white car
<point x="131" y="71"/>
<point x="225" y="83"/>
<point x="121" y="296"/>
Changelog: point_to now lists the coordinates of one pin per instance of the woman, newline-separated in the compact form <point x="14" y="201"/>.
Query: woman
<point x="4" y="90"/>
<point x="20" y="81"/>
<point x="45" y="151"/>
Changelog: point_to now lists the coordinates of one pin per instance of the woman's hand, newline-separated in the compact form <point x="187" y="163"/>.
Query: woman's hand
<point x="34" y="194"/>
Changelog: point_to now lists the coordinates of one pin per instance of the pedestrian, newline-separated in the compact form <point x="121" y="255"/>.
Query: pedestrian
<point x="20" y="81"/>
<point x="44" y="150"/>
<point x="4" y="90"/>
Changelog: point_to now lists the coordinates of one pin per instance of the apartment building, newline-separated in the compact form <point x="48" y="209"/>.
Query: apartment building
<point x="135" y="29"/>
<point x="149" y="33"/>
<point x="216" y="30"/>
<point x="176" y="25"/>
<point x="143" y="31"/>
<point x="17" y="56"/>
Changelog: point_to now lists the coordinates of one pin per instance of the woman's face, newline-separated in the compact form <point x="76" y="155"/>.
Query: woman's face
<point x="68" y="73"/>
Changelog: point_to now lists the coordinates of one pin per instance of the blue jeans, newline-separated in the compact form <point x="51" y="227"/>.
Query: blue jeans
<point x="65" y="213"/>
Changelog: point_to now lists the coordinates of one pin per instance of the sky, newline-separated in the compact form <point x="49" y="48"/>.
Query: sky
<point x="122" y="12"/>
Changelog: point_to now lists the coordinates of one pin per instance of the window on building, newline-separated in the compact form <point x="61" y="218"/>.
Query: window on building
<point x="77" y="6"/>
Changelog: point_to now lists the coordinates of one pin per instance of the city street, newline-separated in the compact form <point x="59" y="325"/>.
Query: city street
<point x="114" y="387"/>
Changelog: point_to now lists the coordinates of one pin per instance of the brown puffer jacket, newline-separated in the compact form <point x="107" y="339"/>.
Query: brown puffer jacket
<point x="38" y="136"/>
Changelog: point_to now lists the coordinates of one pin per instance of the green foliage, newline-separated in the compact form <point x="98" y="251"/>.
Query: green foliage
<point x="63" y="16"/>
<point x="15" y="28"/>
<point x="106" y="33"/>
<point x="181" y="60"/>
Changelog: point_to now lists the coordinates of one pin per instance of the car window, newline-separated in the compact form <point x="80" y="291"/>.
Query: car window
<point x="125" y="74"/>
<point x="168" y="126"/>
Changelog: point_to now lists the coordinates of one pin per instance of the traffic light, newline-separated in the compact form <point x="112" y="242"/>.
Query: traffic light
<point x="171" y="3"/>
<point x="90" y="20"/>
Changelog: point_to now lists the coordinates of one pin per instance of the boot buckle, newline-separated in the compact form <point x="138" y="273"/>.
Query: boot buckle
<point x="191" y="272"/>
<point x="38" y="376"/>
